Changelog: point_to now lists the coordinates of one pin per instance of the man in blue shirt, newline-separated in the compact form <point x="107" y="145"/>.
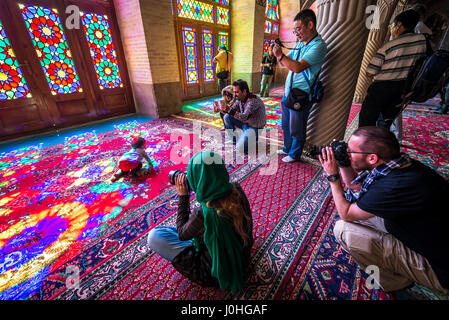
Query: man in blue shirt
<point x="304" y="62"/>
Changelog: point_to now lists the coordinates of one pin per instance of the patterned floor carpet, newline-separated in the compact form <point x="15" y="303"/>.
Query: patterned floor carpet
<point x="66" y="233"/>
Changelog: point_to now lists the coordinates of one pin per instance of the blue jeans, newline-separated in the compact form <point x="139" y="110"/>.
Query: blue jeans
<point x="165" y="242"/>
<point x="294" y="126"/>
<point x="232" y="123"/>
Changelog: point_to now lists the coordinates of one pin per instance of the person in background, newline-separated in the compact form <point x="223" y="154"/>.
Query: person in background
<point x="268" y="63"/>
<point x="304" y="63"/>
<point x="248" y="114"/>
<point x="223" y="63"/>
<point x="227" y="101"/>
<point x="389" y="69"/>
<point x="131" y="162"/>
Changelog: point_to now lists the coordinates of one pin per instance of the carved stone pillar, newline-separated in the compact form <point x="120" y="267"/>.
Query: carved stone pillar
<point x="342" y="24"/>
<point x="376" y="39"/>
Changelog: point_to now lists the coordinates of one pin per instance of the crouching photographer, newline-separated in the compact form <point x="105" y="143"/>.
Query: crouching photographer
<point x="391" y="215"/>
<point x="211" y="245"/>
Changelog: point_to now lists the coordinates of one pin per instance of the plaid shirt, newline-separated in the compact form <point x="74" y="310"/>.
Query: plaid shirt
<point x="368" y="177"/>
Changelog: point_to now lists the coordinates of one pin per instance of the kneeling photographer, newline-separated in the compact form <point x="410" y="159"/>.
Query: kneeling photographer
<point x="211" y="245"/>
<point x="391" y="215"/>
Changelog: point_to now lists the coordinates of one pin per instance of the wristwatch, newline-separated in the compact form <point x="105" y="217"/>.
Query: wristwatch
<point x="333" y="177"/>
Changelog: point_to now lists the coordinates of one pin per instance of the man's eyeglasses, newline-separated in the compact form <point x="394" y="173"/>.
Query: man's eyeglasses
<point x="296" y="31"/>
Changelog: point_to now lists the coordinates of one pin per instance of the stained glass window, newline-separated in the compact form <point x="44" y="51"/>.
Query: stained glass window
<point x="195" y="10"/>
<point x="223" y="39"/>
<point x="190" y="54"/>
<point x="272" y="10"/>
<point x="267" y="26"/>
<point x="102" y="50"/>
<point x="45" y="29"/>
<point x="223" y="2"/>
<point x="222" y="16"/>
<point x="266" y="46"/>
<point x="12" y="81"/>
<point x="275" y="29"/>
<point x="208" y="55"/>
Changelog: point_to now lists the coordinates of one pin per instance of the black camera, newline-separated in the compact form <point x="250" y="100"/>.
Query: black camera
<point x="339" y="148"/>
<point x="172" y="175"/>
<point x="278" y="42"/>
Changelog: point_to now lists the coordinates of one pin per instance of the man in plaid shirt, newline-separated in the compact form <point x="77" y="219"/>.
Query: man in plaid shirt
<point x="392" y="214"/>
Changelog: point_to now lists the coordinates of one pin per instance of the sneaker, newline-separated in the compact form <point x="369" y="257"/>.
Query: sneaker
<point x="281" y="152"/>
<point x="289" y="159"/>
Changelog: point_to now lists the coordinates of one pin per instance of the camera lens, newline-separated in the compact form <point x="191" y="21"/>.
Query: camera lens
<point x="172" y="175"/>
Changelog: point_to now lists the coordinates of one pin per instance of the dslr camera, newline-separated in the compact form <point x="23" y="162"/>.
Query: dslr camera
<point x="339" y="148"/>
<point x="278" y="42"/>
<point x="172" y="175"/>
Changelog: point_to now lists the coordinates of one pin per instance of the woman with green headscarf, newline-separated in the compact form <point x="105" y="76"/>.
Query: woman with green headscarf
<point x="211" y="245"/>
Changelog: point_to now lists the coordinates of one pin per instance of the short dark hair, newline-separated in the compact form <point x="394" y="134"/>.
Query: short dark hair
<point x="306" y="16"/>
<point x="242" y="84"/>
<point x="380" y="141"/>
<point x="137" y="143"/>
<point x="408" y="18"/>
<point x="421" y="9"/>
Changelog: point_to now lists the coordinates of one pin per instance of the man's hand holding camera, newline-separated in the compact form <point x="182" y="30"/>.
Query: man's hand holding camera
<point x="181" y="185"/>
<point x="277" y="50"/>
<point x="327" y="159"/>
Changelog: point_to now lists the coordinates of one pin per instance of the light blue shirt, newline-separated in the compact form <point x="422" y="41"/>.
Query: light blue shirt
<point x="314" y="53"/>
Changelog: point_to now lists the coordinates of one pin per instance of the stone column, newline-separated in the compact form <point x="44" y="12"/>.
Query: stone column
<point x="342" y="24"/>
<point x="376" y="39"/>
<point x="151" y="55"/>
<point x="247" y="29"/>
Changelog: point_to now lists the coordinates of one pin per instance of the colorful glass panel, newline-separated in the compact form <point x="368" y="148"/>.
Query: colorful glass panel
<point x="272" y="10"/>
<point x="222" y="16"/>
<point x="208" y="55"/>
<point x="223" y="2"/>
<point x="266" y="46"/>
<point x="190" y="55"/>
<point x="12" y="81"/>
<point x="267" y="26"/>
<point x="195" y="10"/>
<point x="102" y="50"/>
<point x="275" y="29"/>
<point x="49" y="40"/>
<point x="223" y="39"/>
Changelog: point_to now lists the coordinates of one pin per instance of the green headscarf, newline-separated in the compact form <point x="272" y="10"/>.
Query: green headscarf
<point x="209" y="179"/>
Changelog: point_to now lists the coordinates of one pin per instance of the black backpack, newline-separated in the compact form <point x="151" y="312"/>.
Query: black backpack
<point x="427" y="76"/>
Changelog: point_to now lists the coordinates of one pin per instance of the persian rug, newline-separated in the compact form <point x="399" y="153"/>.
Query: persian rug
<point x="426" y="138"/>
<point x="61" y="218"/>
<point x="282" y="225"/>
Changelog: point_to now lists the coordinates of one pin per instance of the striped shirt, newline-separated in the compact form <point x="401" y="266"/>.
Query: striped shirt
<point x="395" y="59"/>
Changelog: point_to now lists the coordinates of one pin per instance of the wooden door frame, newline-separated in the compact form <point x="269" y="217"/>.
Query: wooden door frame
<point x="198" y="25"/>
<point x="96" y="104"/>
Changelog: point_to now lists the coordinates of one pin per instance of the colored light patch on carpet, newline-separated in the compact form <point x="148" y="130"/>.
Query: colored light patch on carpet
<point x="282" y="226"/>
<point x="59" y="210"/>
<point x="202" y="111"/>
